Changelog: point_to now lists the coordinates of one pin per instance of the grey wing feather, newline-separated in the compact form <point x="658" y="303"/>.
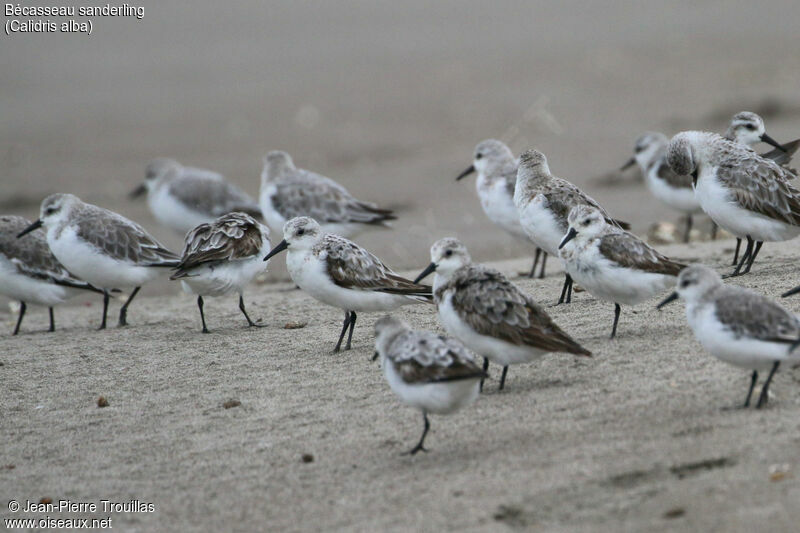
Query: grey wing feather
<point x="750" y="314"/>
<point x="308" y="194"/>
<point x="494" y="307"/>
<point x="212" y="196"/>
<point x="564" y="196"/>
<point x="351" y="266"/>
<point x="424" y="357"/>
<point x="122" y="239"/>
<point x="762" y="186"/>
<point x="628" y="250"/>
<point x="32" y="256"/>
<point x="232" y="236"/>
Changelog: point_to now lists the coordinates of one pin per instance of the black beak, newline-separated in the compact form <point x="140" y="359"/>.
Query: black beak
<point x="669" y="299"/>
<point x="375" y="356"/>
<point x="791" y="292"/>
<point x="568" y="237"/>
<point x="430" y="268"/>
<point x="466" y="173"/>
<point x="695" y="175"/>
<point x="36" y="225"/>
<point x="278" y="249"/>
<point x="138" y="191"/>
<point x="769" y="140"/>
<point x="630" y="163"/>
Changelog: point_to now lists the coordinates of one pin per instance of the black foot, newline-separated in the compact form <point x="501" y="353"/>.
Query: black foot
<point x="415" y="449"/>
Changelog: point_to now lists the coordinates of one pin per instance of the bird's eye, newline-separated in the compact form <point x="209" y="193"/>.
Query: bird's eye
<point x="750" y="127"/>
<point x="639" y="149"/>
<point x="587" y="221"/>
<point x="49" y="211"/>
<point x="478" y="156"/>
<point x="448" y="253"/>
<point x="301" y="231"/>
<point x="684" y="283"/>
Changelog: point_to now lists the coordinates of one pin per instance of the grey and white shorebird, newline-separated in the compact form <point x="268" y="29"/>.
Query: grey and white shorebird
<point x="543" y="202"/>
<point x="430" y="372"/>
<point x="101" y="247"/>
<point x="480" y="307"/>
<point x="650" y="153"/>
<point x="612" y="264"/>
<point x="288" y="192"/>
<point x="223" y="257"/>
<point x="342" y="274"/>
<point x="497" y="176"/>
<point x="30" y="273"/>
<point x="182" y="198"/>
<point x="737" y="325"/>
<point x="747" y="195"/>
<point x="748" y="129"/>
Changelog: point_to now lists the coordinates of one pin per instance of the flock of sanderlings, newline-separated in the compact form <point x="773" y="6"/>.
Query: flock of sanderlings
<point x="84" y="247"/>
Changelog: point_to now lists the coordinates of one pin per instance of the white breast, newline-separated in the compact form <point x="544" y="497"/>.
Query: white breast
<point x="678" y="198"/>
<point x="30" y="290"/>
<point x="541" y="225"/>
<point x="438" y="398"/>
<point x="170" y="212"/>
<point x="499" y="206"/>
<point x="224" y="278"/>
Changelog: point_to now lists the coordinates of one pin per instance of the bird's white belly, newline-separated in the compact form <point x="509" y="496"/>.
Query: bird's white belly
<point x="681" y="199"/>
<point x="499" y="207"/>
<point x="101" y="270"/>
<point x="742" y="352"/>
<point x="218" y="280"/>
<point x="438" y="398"/>
<point x="170" y="212"/>
<point x="310" y="274"/>
<point x="272" y="217"/>
<point x="726" y="212"/>
<point x="608" y="281"/>
<point x="496" y="350"/>
<point x="542" y="227"/>
<point x="30" y="290"/>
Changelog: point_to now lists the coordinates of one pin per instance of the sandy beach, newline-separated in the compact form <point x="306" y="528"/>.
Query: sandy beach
<point x="264" y="429"/>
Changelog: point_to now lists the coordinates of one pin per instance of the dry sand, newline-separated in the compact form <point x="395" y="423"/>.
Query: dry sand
<point x="636" y="438"/>
<point x="390" y="100"/>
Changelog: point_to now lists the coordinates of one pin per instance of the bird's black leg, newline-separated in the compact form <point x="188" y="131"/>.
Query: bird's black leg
<point x="535" y="262"/>
<point x="736" y="252"/>
<point x="105" y="309"/>
<point x="123" y="312"/>
<point x="569" y="291"/>
<point x="503" y="377"/>
<point x="753" y="380"/>
<point x="52" y="320"/>
<point x="202" y="315"/>
<point x="753" y="256"/>
<point x="544" y="262"/>
<point x="688" y="227"/>
<point x="567" y="286"/>
<point x="22" y="308"/>
<point x="344" y="330"/>
<point x="714" y="228"/>
<point x="244" y="312"/>
<point x="419" y="446"/>
<point x="352" y="327"/>
<point x="764" y="396"/>
<point x="485" y="371"/>
<point x="617" y="310"/>
<point x="744" y="258"/>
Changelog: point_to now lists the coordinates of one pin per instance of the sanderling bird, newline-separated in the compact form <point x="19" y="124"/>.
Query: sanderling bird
<point x="182" y="198"/>
<point x="543" y="202"/>
<point x="289" y="192"/>
<point x="650" y="153"/>
<point x="744" y="193"/>
<point x="30" y="273"/>
<point x="430" y="372"/>
<point x="223" y="257"/>
<point x="101" y="247"/>
<point x="342" y="274"/>
<point x="611" y="263"/>
<point x="480" y="307"/>
<point x="748" y="129"/>
<point x="497" y="175"/>
<point x="737" y="325"/>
